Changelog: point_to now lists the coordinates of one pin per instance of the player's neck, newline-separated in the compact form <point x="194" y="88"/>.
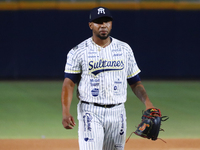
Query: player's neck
<point x="100" y="42"/>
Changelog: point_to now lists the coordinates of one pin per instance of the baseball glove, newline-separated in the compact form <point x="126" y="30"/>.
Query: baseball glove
<point x="150" y="125"/>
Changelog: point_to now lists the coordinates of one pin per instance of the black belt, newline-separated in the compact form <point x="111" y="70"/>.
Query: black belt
<point x="105" y="106"/>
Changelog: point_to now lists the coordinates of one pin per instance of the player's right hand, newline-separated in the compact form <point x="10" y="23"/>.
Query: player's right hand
<point x="68" y="122"/>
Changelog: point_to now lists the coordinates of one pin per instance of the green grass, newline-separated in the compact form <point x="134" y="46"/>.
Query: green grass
<point x="180" y="100"/>
<point x="32" y="109"/>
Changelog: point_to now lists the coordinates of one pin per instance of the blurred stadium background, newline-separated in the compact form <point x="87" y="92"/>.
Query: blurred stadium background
<point x="108" y="0"/>
<point x="36" y="35"/>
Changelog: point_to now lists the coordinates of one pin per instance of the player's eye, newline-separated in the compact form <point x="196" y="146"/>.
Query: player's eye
<point x="98" y="21"/>
<point x="102" y="20"/>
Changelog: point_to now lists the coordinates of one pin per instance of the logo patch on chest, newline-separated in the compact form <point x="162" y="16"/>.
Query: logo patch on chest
<point x="96" y="67"/>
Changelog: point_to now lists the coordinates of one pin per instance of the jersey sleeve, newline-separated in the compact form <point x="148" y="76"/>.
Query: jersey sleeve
<point x="72" y="64"/>
<point x="133" y="69"/>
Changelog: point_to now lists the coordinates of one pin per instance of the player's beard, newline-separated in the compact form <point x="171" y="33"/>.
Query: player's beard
<point x="103" y="37"/>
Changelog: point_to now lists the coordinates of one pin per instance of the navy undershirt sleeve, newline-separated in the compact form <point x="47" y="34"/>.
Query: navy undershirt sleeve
<point x="133" y="80"/>
<point x="74" y="77"/>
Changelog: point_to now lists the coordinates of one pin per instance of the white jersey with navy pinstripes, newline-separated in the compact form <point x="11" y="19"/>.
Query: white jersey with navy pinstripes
<point x="104" y="71"/>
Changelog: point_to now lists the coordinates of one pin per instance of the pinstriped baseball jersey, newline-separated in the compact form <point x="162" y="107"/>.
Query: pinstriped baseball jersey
<point x="104" y="71"/>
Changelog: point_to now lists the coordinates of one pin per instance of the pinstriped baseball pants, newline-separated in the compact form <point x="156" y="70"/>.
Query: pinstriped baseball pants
<point x="101" y="128"/>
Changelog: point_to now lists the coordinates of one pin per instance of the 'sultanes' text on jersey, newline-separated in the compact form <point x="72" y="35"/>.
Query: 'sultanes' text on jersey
<point x="96" y="67"/>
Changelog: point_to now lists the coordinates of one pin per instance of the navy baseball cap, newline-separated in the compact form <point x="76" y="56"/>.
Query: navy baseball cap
<point x="99" y="12"/>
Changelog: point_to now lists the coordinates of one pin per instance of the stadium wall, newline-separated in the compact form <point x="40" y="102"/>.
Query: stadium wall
<point x="34" y="41"/>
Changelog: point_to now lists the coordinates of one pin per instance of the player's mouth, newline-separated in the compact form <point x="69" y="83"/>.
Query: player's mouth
<point x="103" y="32"/>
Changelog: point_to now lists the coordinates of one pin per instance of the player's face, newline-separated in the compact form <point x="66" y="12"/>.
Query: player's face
<point x="101" y="27"/>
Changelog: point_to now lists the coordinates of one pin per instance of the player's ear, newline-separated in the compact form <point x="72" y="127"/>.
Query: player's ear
<point x="90" y="25"/>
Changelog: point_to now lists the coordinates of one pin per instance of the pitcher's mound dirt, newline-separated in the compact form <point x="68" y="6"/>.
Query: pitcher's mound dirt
<point x="72" y="144"/>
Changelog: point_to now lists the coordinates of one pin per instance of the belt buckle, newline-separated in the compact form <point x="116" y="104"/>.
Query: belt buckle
<point x="105" y="106"/>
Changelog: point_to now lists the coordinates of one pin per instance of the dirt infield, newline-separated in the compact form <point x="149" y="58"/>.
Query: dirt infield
<point x="70" y="144"/>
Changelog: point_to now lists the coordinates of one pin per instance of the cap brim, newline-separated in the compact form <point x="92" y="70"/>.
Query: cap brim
<point x="111" y="19"/>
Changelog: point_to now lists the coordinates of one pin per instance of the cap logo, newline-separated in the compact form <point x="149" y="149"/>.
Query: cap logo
<point x="101" y="11"/>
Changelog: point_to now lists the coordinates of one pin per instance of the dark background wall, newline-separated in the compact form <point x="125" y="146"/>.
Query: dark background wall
<point x="34" y="43"/>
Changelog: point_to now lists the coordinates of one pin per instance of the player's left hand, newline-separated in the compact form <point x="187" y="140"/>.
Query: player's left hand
<point x="68" y="122"/>
<point x="150" y="124"/>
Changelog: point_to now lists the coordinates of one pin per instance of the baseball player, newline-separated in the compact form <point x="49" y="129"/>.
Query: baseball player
<point x="101" y="66"/>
